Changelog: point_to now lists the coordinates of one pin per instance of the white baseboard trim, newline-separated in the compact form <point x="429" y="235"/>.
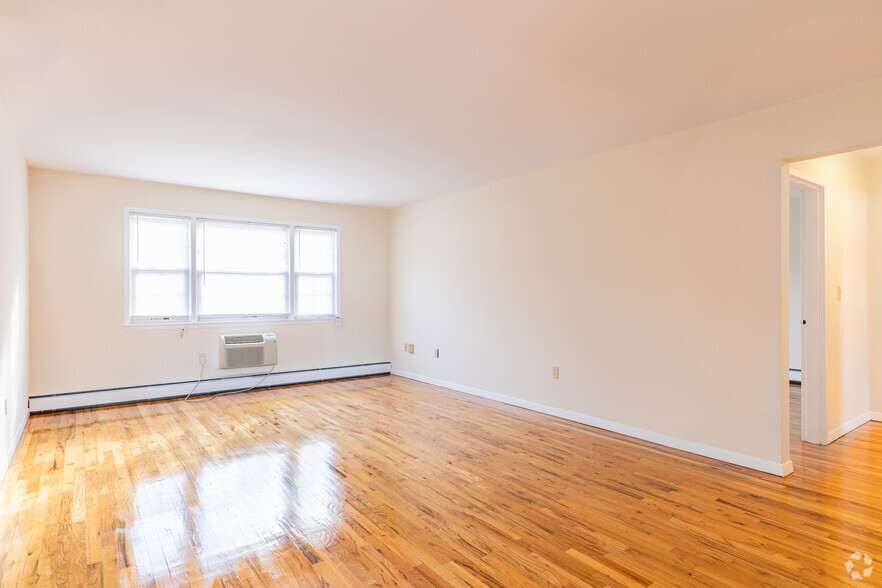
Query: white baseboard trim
<point x="7" y="459"/>
<point x="876" y="416"/>
<point x="849" y="426"/>
<point x="739" y="459"/>
<point x="93" y="398"/>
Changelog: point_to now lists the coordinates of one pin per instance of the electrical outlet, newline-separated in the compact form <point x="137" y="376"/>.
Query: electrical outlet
<point x="410" y="348"/>
<point x="202" y="358"/>
<point x="555" y="373"/>
<point x="437" y="353"/>
<point x="405" y="347"/>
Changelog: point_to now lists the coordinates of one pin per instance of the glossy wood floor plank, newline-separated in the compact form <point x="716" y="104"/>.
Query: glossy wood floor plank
<point x="389" y="482"/>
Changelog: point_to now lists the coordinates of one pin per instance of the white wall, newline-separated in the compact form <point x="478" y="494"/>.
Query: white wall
<point x="13" y="292"/>
<point x="653" y="275"/>
<point x="846" y="180"/>
<point x="795" y="279"/>
<point x="77" y="339"/>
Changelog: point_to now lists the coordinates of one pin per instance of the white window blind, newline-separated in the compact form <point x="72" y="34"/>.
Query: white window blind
<point x="242" y="269"/>
<point x="159" y="267"/>
<point x="315" y="271"/>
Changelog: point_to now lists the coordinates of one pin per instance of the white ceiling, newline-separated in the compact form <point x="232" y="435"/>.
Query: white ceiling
<point x="386" y="102"/>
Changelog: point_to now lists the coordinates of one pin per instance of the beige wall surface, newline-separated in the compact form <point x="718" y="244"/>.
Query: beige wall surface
<point x="846" y="179"/>
<point x="77" y="339"/>
<point x="795" y="281"/>
<point x="13" y="292"/>
<point x="875" y="285"/>
<point x="651" y="274"/>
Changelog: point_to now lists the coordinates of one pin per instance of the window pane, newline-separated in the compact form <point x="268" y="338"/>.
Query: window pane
<point x="159" y="266"/>
<point x="238" y="294"/>
<point x="225" y="246"/>
<point x="243" y="268"/>
<point x="315" y="295"/>
<point x="159" y="242"/>
<point x="165" y="294"/>
<point x="316" y="251"/>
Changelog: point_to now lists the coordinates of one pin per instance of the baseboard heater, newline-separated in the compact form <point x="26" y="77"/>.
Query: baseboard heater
<point x="110" y="396"/>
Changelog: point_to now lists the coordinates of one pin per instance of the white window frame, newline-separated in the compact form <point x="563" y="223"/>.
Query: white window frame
<point x="193" y="320"/>
<point x="294" y="274"/>
<point x="197" y="295"/>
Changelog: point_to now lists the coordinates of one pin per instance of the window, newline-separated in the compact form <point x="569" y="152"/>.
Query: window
<point x="159" y="266"/>
<point x="315" y="271"/>
<point x="188" y="268"/>
<point x="242" y="270"/>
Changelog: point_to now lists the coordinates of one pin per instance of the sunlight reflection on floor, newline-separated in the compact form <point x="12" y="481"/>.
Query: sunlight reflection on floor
<point x="247" y="505"/>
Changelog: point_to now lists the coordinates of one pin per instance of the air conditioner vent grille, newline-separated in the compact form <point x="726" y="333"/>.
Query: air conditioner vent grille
<point x="242" y="339"/>
<point x="250" y="356"/>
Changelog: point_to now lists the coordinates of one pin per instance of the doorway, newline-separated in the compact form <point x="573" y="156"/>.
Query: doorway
<point x="834" y="337"/>
<point x="807" y="359"/>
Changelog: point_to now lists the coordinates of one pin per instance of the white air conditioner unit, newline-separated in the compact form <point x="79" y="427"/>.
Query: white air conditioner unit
<point x="238" y="351"/>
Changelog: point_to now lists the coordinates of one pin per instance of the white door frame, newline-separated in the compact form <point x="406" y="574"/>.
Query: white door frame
<point x="814" y="327"/>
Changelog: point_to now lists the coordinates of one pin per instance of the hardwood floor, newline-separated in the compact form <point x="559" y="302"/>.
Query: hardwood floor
<point x="386" y="481"/>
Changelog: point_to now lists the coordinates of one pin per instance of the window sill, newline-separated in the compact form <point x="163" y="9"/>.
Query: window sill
<point x="223" y="324"/>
